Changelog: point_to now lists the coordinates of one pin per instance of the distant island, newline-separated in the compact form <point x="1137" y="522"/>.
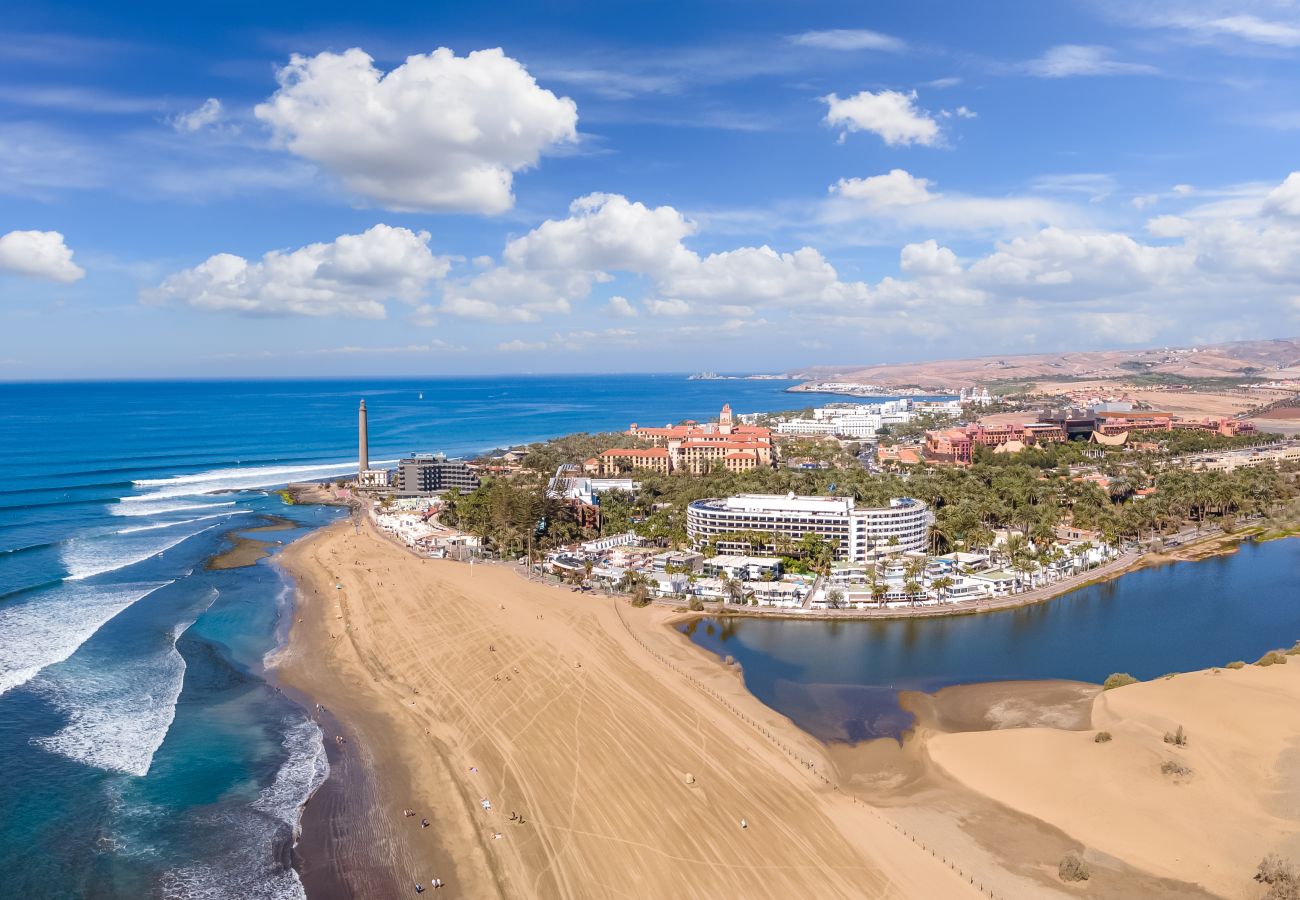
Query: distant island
<point x="714" y="376"/>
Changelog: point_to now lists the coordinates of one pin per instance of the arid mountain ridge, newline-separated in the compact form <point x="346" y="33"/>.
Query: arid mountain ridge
<point x="1278" y="358"/>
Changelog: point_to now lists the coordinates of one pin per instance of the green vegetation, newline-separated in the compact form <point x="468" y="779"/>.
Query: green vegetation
<point x="1072" y="868"/>
<point x="1030" y="493"/>
<point x="1116" y="680"/>
<point x="1103" y="737"/>
<point x="1272" y="658"/>
<point x="546" y="456"/>
<point x="1174" y="768"/>
<point x="1235" y="664"/>
<point x="1180" y="442"/>
<point x="285" y="496"/>
<point x="1177" y="738"/>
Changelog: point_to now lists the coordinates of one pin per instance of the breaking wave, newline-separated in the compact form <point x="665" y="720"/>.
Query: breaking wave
<point x="43" y="629"/>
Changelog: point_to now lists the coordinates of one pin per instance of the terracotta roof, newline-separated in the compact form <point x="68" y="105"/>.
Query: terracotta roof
<point x="659" y="452"/>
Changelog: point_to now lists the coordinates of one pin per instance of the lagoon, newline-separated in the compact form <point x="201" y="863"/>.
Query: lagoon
<point x="839" y="680"/>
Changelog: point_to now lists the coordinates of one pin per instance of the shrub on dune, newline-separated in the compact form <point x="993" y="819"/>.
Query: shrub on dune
<point x="1117" y="679"/>
<point x="1072" y="868"/>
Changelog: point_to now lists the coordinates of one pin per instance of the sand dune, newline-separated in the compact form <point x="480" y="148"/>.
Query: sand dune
<point x="460" y="685"/>
<point x="1212" y="827"/>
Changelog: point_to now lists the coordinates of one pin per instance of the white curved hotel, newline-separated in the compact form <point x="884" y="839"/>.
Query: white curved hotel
<point x="857" y="534"/>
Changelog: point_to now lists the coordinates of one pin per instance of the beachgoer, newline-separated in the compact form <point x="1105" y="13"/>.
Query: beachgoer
<point x="419" y="888"/>
<point x="424" y="823"/>
<point x="744" y="824"/>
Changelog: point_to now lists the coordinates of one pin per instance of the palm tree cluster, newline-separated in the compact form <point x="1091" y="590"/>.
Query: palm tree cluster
<point x="1136" y="496"/>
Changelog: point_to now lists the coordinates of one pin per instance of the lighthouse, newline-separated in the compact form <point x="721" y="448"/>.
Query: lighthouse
<point x="363" y="442"/>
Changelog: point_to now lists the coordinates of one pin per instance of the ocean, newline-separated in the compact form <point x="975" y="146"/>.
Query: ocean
<point x="147" y="753"/>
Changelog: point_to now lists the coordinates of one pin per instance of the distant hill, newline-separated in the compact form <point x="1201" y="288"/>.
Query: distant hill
<point x="1278" y="358"/>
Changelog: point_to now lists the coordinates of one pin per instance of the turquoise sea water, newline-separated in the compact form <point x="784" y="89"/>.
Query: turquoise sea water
<point x="839" y="680"/>
<point x="145" y="754"/>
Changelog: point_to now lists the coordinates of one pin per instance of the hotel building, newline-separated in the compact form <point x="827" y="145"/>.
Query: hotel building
<point x="693" y="448"/>
<point x="857" y="534"/>
<point x="422" y="474"/>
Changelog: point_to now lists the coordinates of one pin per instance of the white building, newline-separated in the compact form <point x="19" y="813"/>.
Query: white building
<point x="855" y="533"/>
<point x="805" y="427"/>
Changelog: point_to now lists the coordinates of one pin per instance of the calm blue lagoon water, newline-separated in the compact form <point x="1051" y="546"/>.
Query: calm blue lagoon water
<point x="839" y="680"/>
<point x="145" y="754"/>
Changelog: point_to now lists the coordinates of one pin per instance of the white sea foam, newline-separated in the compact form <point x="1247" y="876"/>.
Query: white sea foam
<point x="85" y="557"/>
<point x="179" y="522"/>
<point x="299" y="777"/>
<point x="147" y="509"/>
<point x="248" y="867"/>
<point x="119" y="712"/>
<point x="236" y="479"/>
<point x="43" y="629"/>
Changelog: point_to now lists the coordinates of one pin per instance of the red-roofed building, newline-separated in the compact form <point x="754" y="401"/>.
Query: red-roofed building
<point x="950" y="446"/>
<point x="695" y="448"/>
<point x="617" y="460"/>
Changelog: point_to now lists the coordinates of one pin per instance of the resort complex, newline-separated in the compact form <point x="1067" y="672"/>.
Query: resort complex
<point x="691" y="448"/>
<point x="773" y="522"/>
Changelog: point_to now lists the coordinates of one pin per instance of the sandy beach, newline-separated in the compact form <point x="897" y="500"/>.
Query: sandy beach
<point x="631" y="756"/>
<point x="1240" y="801"/>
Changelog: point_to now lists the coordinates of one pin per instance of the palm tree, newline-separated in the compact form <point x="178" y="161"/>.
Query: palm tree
<point x="942" y="584"/>
<point x="879" y="590"/>
<point x="911" y="588"/>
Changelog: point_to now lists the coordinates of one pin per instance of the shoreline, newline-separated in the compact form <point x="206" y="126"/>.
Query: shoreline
<point x="1203" y="548"/>
<point x="397" y="671"/>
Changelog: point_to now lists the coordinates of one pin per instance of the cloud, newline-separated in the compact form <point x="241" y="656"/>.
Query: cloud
<point x="606" y="236"/>
<point x="622" y="308"/>
<point x="518" y="346"/>
<point x="668" y="307"/>
<point x="209" y="113"/>
<point x="1250" y="28"/>
<point x="892" y="115"/>
<point x="1247" y="26"/>
<point x="350" y="276"/>
<point x="897" y="188"/>
<point x="79" y="99"/>
<point x="849" y="39"/>
<point x="1069" y="60"/>
<point x="909" y="202"/>
<point x="39" y="254"/>
<point x="1284" y="200"/>
<point x="439" y="133"/>
<point x="928" y="259"/>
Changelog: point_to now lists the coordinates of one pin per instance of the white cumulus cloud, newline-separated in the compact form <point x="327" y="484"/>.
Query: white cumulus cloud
<point x="622" y="308"/>
<point x="39" y="254"/>
<point x="891" y="114"/>
<point x="911" y="202"/>
<point x="350" y="276"/>
<point x="438" y="133"/>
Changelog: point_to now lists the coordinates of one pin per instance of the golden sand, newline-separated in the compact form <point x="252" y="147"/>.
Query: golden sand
<point x="632" y="756"/>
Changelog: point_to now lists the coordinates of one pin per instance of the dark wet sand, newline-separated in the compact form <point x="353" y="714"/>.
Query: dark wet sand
<point x="246" y="551"/>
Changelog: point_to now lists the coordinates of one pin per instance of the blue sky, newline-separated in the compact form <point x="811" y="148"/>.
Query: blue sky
<point x="222" y="189"/>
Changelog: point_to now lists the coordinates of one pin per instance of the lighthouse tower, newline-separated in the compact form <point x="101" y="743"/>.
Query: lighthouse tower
<point x="363" y="442"/>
